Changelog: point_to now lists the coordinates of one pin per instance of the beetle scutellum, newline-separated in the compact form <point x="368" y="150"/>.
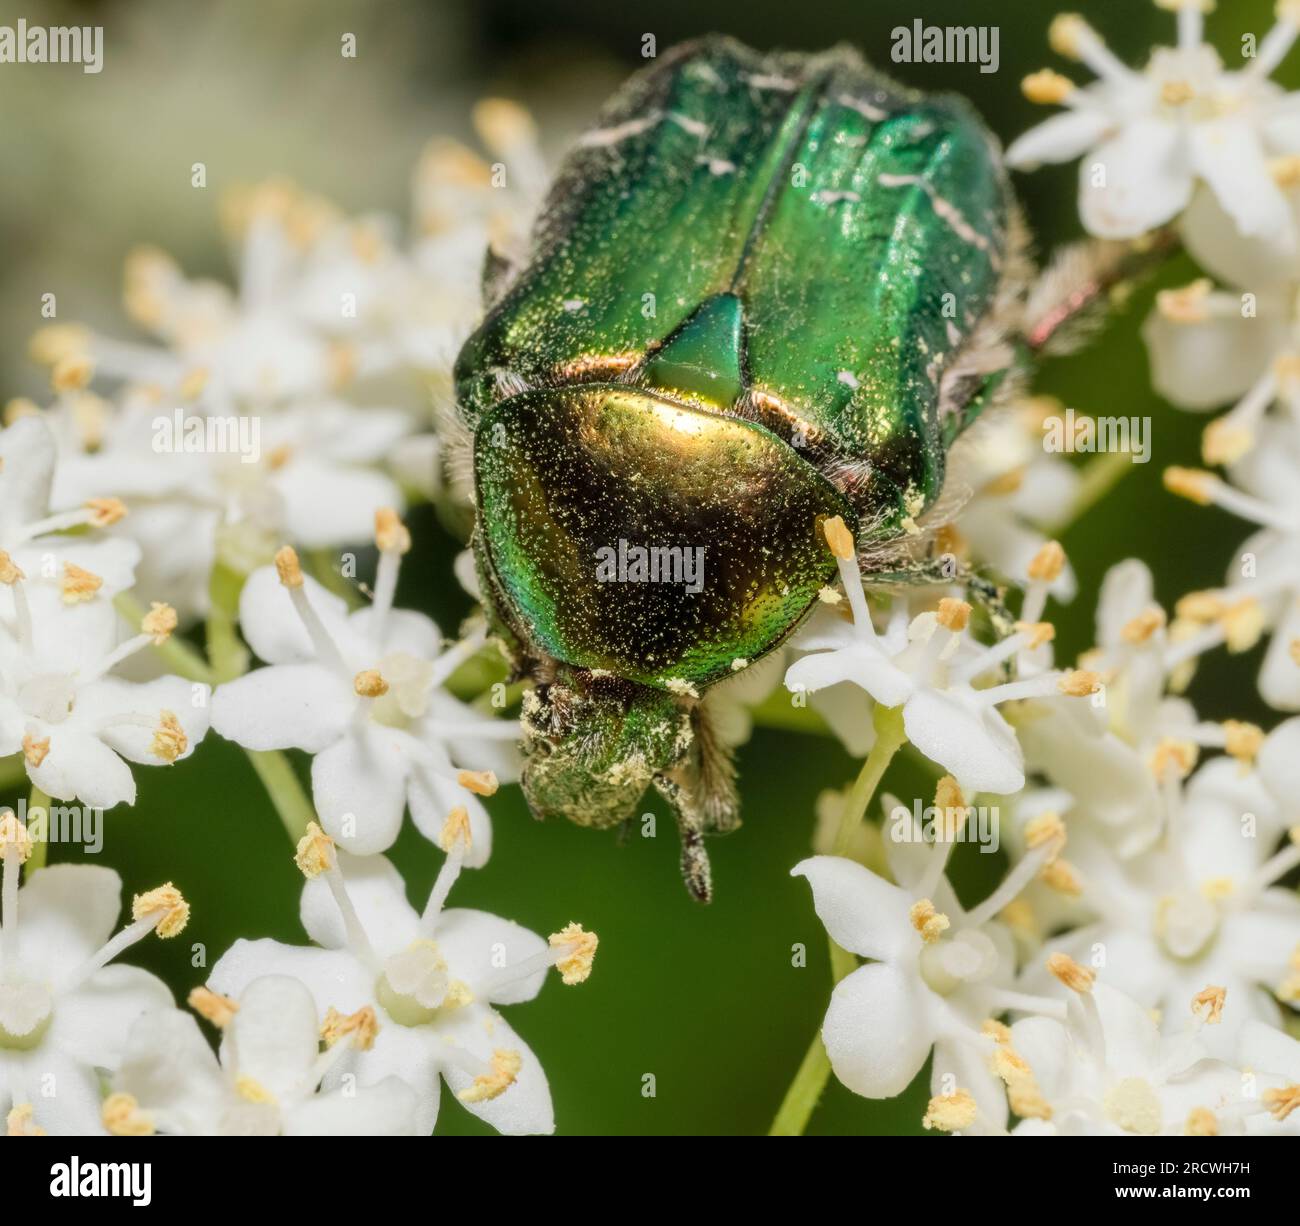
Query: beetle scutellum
<point x="765" y="290"/>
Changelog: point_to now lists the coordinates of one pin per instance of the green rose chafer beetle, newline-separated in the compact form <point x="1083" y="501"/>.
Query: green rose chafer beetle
<point x="765" y="291"/>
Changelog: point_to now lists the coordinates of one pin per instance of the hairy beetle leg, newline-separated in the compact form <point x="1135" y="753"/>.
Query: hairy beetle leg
<point x="696" y="871"/>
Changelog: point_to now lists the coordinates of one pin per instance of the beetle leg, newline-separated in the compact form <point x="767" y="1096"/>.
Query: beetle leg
<point x="716" y="777"/>
<point x="696" y="871"/>
<point x="1074" y="291"/>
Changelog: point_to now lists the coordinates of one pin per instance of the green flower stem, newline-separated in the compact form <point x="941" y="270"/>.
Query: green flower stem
<point x="806" y="1089"/>
<point x="285" y="790"/>
<point x="1099" y="476"/>
<point x="41" y="847"/>
<point x="13" y="771"/>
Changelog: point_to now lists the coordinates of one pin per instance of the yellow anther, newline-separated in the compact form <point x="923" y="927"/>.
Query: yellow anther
<point x="10" y="571"/>
<point x="168" y="903"/>
<point x="1280" y="1103"/>
<point x="481" y="783"/>
<point x="1242" y="623"/>
<point x="503" y="124"/>
<point x="78" y="585"/>
<point x="1194" y="484"/>
<point x="1036" y="633"/>
<point x="1060" y="876"/>
<point x="287" y="566"/>
<point x="999" y="1032"/>
<point x="1047" y="564"/>
<point x="1208" y="1002"/>
<point x="1046" y="830"/>
<point x="1200" y="607"/>
<point x="456" y="830"/>
<point x="391" y="535"/>
<point x="1242" y="740"/>
<point x="1173" y="758"/>
<point x="193" y="383"/>
<point x="951" y="805"/>
<point x="123" y="1118"/>
<point x="950" y="1112"/>
<point x="1018" y="915"/>
<point x="1046" y="88"/>
<point x="35" y="749"/>
<point x="504" y="1072"/>
<point x="1140" y="628"/>
<point x="1079" y="683"/>
<point x="1224" y="441"/>
<point x="1176" y="93"/>
<point x="1023" y="1094"/>
<point x="253" y="1091"/>
<point x="169" y="739"/>
<point x="1201" y="1122"/>
<point x="72" y="373"/>
<point x="953" y="614"/>
<point x="104" y="512"/>
<point x="1009" y="482"/>
<point x="213" y="1007"/>
<point x="1218" y="889"/>
<point x="575" y="964"/>
<point x="1075" y="977"/>
<point x="314" y="853"/>
<point x="369" y="683"/>
<point x="362" y="1025"/>
<point x="930" y="923"/>
<point x="159" y="622"/>
<point x="1068" y="34"/>
<point x="54" y="342"/>
<point x="20" y="1123"/>
<point x="839" y="538"/>
<point x="14" y="839"/>
<point x="278" y="457"/>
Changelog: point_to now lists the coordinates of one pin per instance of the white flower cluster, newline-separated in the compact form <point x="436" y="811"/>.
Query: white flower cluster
<point x="290" y="409"/>
<point x="1138" y="970"/>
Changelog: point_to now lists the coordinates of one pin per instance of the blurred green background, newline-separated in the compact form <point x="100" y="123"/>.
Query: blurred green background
<point x="705" y="999"/>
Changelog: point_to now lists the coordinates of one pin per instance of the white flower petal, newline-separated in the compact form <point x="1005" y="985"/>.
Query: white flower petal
<point x="1203" y="365"/>
<point x="432" y="798"/>
<point x="479" y="946"/>
<point x="68" y="913"/>
<point x="170" y="1070"/>
<point x="384" y="1110"/>
<point x="303" y="706"/>
<point x="336" y="979"/>
<point x="861" y="912"/>
<point x="92" y="1022"/>
<point x="80" y="766"/>
<point x="525" y="1107"/>
<point x="378" y="896"/>
<point x="1062" y="138"/>
<point x="359" y="786"/>
<point x="863" y="664"/>
<point x="970" y="741"/>
<point x="274" y="1036"/>
<point x="274" y="630"/>
<point x="1227" y="154"/>
<point x="126" y="715"/>
<point x="408" y="1053"/>
<point x="1136" y="181"/>
<point x="877" y="1032"/>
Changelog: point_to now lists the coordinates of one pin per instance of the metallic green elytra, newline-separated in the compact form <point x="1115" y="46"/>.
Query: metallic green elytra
<point x="764" y="291"/>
